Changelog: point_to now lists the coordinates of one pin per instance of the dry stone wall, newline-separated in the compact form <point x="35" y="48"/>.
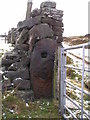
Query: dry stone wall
<point x="30" y="64"/>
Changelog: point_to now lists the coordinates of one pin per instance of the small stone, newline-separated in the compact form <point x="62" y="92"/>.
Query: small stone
<point x="11" y="111"/>
<point x="27" y="105"/>
<point x="3" y="114"/>
<point x="47" y="103"/>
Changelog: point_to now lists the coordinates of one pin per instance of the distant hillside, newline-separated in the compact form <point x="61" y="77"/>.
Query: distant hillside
<point x="76" y="40"/>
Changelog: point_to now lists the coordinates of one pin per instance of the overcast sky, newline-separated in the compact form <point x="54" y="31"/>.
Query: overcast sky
<point x="75" y="17"/>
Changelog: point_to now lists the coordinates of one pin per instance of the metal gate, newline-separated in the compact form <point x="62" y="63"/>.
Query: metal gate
<point x="64" y="81"/>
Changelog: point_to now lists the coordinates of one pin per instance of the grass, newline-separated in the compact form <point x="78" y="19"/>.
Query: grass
<point x="69" y="60"/>
<point x="1" y="54"/>
<point x="42" y="108"/>
<point x="87" y="107"/>
<point x="86" y="97"/>
<point x="71" y="73"/>
<point x="78" y="84"/>
<point x="71" y="94"/>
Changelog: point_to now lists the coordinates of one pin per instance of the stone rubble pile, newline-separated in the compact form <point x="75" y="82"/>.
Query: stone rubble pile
<point x="30" y="64"/>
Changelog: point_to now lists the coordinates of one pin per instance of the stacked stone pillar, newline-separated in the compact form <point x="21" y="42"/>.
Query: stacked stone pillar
<point x="29" y="8"/>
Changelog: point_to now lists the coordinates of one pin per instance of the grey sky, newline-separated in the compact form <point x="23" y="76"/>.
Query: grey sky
<point x="75" y="14"/>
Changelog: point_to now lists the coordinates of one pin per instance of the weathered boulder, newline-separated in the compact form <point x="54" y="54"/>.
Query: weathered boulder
<point x="29" y="23"/>
<point x="48" y="4"/>
<point x="23" y="37"/>
<point x="23" y="47"/>
<point x="39" y="32"/>
<point x="21" y="84"/>
<point x="21" y="73"/>
<point x="41" y="67"/>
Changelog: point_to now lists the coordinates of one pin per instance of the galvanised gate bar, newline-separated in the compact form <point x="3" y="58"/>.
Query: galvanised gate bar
<point x="64" y="81"/>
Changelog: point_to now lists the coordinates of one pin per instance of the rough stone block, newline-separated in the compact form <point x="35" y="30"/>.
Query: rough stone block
<point x="39" y="32"/>
<point x="23" y="47"/>
<point x="59" y="39"/>
<point x="29" y="23"/>
<point x="57" y="30"/>
<point x="35" y="12"/>
<point x="21" y="84"/>
<point x="50" y="12"/>
<point x="21" y="73"/>
<point x="52" y="22"/>
<point x="23" y="37"/>
<point x="24" y="62"/>
<point x="7" y="62"/>
<point x="49" y="4"/>
<point x="11" y="55"/>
